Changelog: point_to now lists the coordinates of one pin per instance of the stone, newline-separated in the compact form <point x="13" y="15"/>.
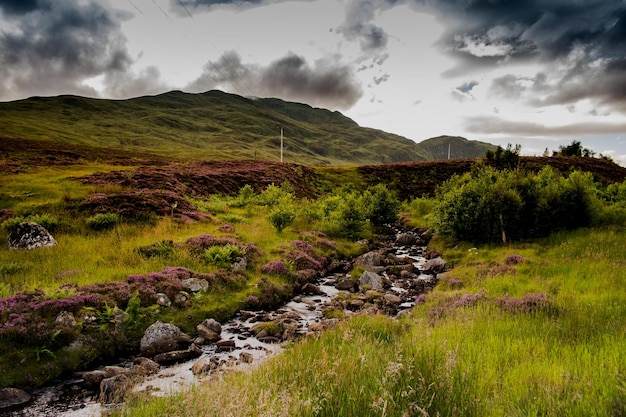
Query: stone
<point x="208" y="331"/>
<point x="181" y="298"/>
<point x="372" y="261"/>
<point x="345" y="285"/>
<point x="145" y="366"/>
<point x="65" y="320"/>
<point x="309" y="288"/>
<point x="434" y="266"/>
<point x="371" y="280"/>
<point x="12" y="399"/>
<point x="195" y="284"/>
<point x="246" y="357"/>
<point x="213" y="325"/>
<point x="112" y="389"/>
<point x="93" y="378"/>
<point x="240" y="265"/>
<point x="201" y="367"/>
<point x="163" y="300"/>
<point x="30" y="235"/>
<point x="159" y="338"/>
<point x="226" y="345"/>
<point x="408" y="239"/>
<point x="177" y="356"/>
<point x="111" y="371"/>
<point x="392" y="299"/>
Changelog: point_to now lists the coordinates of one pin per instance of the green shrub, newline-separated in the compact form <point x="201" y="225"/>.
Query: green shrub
<point x="282" y="215"/>
<point x="223" y="255"/>
<point x="381" y="206"/>
<point x="47" y="221"/>
<point x="490" y="206"/>
<point x="103" y="221"/>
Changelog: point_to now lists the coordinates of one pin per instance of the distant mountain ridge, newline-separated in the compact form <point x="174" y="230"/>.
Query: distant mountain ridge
<point x="455" y="147"/>
<point x="217" y="125"/>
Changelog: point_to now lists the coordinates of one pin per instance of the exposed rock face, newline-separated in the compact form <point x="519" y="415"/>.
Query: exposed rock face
<point x="160" y="338"/>
<point x="30" y="235"/>
<point x="372" y="261"/>
<point x="12" y="399"/>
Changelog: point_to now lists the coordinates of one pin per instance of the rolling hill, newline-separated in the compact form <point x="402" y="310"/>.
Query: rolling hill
<point x="209" y="126"/>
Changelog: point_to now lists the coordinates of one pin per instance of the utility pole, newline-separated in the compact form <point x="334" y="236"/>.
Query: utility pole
<point x="449" y="144"/>
<point x="281" y="144"/>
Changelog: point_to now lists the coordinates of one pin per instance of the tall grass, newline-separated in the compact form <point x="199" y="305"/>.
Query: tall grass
<point x="458" y="354"/>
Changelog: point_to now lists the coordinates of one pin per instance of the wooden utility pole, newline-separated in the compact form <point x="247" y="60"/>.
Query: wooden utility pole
<point x="281" y="144"/>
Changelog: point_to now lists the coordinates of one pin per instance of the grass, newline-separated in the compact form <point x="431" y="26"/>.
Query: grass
<point x="451" y="358"/>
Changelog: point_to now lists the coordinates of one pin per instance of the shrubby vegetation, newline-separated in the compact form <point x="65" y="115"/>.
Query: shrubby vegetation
<point x="487" y="205"/>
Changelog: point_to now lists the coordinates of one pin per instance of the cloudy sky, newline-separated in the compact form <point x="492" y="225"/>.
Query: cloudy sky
<point x="540" y="73"/>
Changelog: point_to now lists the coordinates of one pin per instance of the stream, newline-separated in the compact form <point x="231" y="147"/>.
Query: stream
<point x="72" y="398"/>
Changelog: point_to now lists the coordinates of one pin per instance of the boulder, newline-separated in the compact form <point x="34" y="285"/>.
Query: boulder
<point x="159" y="338"/>
<point x="93" y="378"/>
<point x="240" y="265"/>
<point x="145" y="366"/>
<point x="434" y="265"/>
<point x="163" y="300"/>
<point x="112" y="389"/>
<point x="371" y="280"/>
<point x="201" y="367"/>
<point x="345" y="285"/>
<point x="313" y="289"/>
<point x="392" y="299"/>
<point x="65" y="320"/>
<point x="177" y="356"/>
<point x="226" y="345"/>
<point x="12" y="399"/>
<point x="30" y="235"/>
<point x="409" y="239"/>
<point x="195" y="284"/>
<point x="372" y="261"/>
<point x="210" y="330"/>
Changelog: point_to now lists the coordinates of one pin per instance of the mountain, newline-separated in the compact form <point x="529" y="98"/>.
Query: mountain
<point x="453" y="147"/>
<point x="211" y="125"/>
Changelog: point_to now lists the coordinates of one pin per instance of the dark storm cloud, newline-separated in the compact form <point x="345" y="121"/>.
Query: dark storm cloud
<point x="326" y="83"/>
<point x="51" y="47"/>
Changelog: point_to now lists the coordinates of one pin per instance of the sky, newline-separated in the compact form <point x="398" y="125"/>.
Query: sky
<point x="539" y="73"/>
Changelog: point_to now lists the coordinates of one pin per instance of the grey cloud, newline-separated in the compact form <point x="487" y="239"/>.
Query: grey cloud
<point x="61" y="43"/>
<point x="358" y="25"/>
<point x="326" y="83"/>
<point x="495" y="125"/>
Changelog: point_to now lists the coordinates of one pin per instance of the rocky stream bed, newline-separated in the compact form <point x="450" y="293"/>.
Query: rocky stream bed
<point x="394" y="280"/>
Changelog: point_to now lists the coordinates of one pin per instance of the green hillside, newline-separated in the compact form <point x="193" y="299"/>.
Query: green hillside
<point x="211" y="125"/>
<point x="454" y="147"/>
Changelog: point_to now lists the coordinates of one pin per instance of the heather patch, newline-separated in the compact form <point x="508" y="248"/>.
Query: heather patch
<point x="529" y="303"/>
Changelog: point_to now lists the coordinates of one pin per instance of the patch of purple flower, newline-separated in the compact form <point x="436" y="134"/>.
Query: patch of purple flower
<point x="529" y="303"/>
<point x="513" y="259"/>
<point x="226" y="228"/>
<point x="302" y="260"/>
<point x="275" y="268"/>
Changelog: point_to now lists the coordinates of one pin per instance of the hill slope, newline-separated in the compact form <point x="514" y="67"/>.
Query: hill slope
<point x="211" y="125"/>
<point x="454" y="147"/>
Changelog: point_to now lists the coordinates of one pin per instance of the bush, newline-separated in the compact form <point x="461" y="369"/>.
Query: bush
<point x="282" y="215"/>
<point x="490" y="206"/>
<point x="381" y="206"/>
<point x="103" y="221"/>
<point x="47" y="221"/>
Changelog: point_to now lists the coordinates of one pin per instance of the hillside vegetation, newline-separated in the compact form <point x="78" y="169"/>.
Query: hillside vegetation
<point x="211" y="125"/>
